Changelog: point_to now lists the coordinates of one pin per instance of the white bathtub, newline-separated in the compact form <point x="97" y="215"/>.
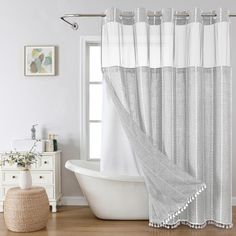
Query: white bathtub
<point x="111" y="197"/>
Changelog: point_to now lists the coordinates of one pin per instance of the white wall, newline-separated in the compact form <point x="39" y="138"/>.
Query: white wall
<point x="54" y="101"/>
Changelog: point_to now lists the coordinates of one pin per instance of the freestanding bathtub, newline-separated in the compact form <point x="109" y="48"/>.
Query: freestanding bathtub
<point x="111" y="197"/>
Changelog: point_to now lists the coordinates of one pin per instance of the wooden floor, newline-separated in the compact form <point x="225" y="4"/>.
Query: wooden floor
<point x="72" y="221"/>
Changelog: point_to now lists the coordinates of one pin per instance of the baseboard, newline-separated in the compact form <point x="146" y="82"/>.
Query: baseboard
<point x="74" y="201"/>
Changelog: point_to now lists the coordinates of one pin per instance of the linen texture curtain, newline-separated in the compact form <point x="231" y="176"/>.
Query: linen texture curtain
<point x="169" y="80"/>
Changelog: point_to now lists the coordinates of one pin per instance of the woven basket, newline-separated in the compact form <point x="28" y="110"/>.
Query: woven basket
<point x="26" y="210"/>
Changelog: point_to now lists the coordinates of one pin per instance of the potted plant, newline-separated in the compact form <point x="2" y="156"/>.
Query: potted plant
<point x="23" y="160"/>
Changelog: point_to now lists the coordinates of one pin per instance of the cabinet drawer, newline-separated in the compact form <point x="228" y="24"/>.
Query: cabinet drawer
<point x="46" y="162"/>
<point x="7" y="166"/>
<point x="42" y="177"/>
<point x="38" y="177"/>
<point x="10" y="177"/>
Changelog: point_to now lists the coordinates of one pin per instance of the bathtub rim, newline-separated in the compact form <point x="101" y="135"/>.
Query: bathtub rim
<point x="73" y="165"/>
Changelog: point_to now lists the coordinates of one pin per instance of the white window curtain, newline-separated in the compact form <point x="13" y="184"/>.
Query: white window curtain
<point x="167" y="111"/>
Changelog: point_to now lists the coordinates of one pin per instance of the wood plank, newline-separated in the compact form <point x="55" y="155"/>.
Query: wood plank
<point x="72" y="221"/>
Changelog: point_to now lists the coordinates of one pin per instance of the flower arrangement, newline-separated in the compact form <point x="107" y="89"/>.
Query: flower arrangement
<point x="23" y="160"/>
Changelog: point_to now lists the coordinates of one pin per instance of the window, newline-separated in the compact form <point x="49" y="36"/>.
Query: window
<point x="95" y="101"/>
<point x="91" y="97"/>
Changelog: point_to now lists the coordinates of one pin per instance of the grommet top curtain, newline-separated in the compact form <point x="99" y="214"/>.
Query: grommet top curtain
<point x="169" y="80"/>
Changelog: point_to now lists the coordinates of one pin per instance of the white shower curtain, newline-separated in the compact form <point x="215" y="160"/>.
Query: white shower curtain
<point x="167" y="112"/>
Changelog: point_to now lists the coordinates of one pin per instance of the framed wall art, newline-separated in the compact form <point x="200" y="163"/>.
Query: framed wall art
<point x="39" y="60"/>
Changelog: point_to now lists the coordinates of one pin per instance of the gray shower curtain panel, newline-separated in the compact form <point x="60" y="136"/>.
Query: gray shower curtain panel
<point x="169" y="78"/>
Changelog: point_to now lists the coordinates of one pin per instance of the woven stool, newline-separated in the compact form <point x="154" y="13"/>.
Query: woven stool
<point x="26" y="210"/>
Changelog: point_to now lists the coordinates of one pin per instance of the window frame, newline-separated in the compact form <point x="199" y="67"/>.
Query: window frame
<point x="85" y="42"/>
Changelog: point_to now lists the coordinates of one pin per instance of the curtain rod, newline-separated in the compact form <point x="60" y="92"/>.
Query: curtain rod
<point x="75" y="25"/>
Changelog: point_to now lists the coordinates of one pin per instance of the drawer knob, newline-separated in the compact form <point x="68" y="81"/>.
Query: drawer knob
<point x="40" y="176"/>
<point x="45" y="162"/>
<point x="13" y="177"/>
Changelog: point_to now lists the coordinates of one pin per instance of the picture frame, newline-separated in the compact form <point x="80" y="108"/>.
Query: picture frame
<point x="39" y="60"/>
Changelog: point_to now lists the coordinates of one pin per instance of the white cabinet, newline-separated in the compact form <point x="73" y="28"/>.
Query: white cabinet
<point x="46" y="173"/>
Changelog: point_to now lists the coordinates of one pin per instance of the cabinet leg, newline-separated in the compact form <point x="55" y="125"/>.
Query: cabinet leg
<point x="54" y="207"/>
